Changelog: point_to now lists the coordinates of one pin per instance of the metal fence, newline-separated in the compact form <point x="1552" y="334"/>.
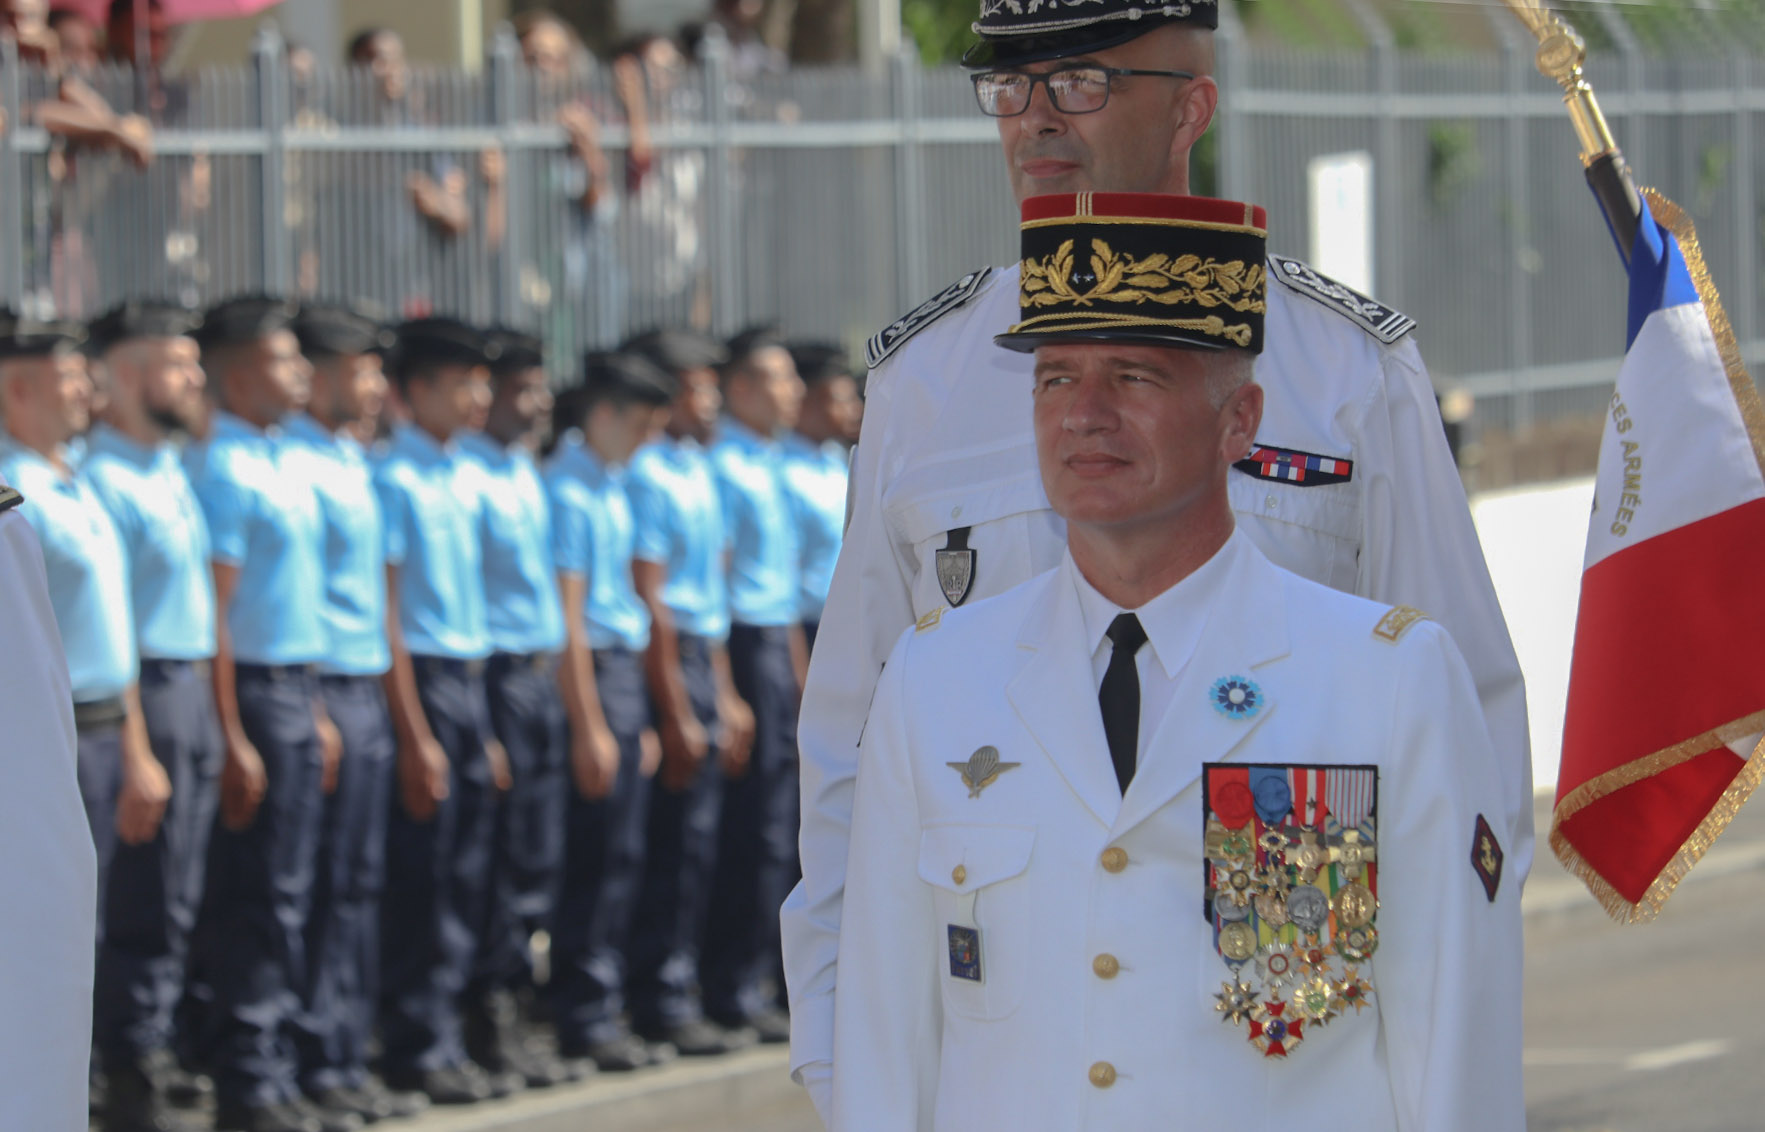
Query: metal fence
<point x="829" y="200"/>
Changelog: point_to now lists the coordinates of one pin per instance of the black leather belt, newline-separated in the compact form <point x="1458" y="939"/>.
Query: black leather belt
<point x="157" y="671"/>
<point x="100" y="715"/>
<point x="277" y="672"/>
<point x="471" y="669"/>
<point x="537" y="661"/>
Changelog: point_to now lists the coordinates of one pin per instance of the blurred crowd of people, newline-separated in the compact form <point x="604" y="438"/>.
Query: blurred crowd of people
<point x="436" y="732"/>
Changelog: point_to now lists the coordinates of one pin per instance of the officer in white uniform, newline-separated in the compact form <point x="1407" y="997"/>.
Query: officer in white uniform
<point x="48" y="871"/>
<point x="1169" y="837"/>
<point x="1350" y="483"/>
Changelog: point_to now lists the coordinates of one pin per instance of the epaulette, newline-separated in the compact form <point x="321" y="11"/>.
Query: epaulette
<point x="1377" y="319"/>
<point x="877" y="350"/>
<point x="9" y="498"/>
<point x="1398" y="620"/>
<point x="930" y="621"/>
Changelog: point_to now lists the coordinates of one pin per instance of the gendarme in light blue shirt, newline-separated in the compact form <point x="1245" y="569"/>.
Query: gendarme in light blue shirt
<point x="680" y="526"/>
<point x="592" y="535"/>
<point x="83" y="557"/>
<point x="762" y="535"/>
<point x="263" y="517"/>
<point x="165" y="543"/>
<point x="432" y="499"/>
<point x="520" y="581"/>
<point x="355" y="549"/>
<point x="815" y="476"/>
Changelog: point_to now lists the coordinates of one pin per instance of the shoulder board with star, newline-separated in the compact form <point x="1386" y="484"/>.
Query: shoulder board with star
<point x="9" y="499"/>
<point x="1398" y="620"/>
<point x="1382" y="322"/>
<point x="877" y="350"/>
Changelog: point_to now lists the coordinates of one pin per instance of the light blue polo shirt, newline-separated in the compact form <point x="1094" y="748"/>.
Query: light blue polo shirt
<point x="762" y="534"/>
<point x="165" y="543"/>
<point x="593" y="535"/>
<point x="88" y="581"/>
<point x="680" y="526"/>
<point x="355" y="549"/>
<point x="432" y="500"/>
<point x="515" y="530"/>
<point x="263" y="517"/>
<point x="815" y="476"/>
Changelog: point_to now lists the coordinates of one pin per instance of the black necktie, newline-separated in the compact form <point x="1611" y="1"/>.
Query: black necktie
<point x="1119" y="697"/>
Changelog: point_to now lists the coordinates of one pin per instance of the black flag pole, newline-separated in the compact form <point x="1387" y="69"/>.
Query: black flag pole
<point x="1561" y="55"/>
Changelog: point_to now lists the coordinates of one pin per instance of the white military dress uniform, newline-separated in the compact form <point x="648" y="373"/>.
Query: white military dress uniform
<point x="1096" y="1004"/>
<point x="948" y="444"/>
<point x="48" y="872"/>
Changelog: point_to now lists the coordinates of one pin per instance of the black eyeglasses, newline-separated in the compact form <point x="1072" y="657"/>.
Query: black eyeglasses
<point x="1073" y="90"/>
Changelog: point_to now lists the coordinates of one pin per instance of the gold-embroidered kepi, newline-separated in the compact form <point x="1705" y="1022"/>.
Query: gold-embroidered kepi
<point x="1142" y="267"/>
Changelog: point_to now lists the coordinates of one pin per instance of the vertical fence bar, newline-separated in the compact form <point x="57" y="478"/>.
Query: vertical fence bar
<point x="12" y="217"/>
<point x="501" y="86"/>
<point x="911" y="283"/>
<point x="272" y="101"/>
<point x="725" y="228"/>
<point x="1232" y="138"/>
<point x="1387" y="255"/>
<point x="1744" y="307"/>
<point x="1519" y="312"/>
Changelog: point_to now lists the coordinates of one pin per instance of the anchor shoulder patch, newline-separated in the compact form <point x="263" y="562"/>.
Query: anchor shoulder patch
<point x="9" y="498"/>
<point x="1398" y="620"/>
<point x="1385" y="323"/>
<point x="893" y="336"/>
<point x="1486" y="857"/>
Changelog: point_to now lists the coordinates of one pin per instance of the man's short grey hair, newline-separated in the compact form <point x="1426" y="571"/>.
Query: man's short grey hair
<point x="1228" y="371"/>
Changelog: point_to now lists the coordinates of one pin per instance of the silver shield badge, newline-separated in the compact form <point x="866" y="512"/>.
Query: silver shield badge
<point x="955" y="564"/>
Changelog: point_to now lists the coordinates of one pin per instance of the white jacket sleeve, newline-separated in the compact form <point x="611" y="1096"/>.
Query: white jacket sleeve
<point x="1419" y="548"/>
<point x="868" y="605"/>
<point x="887" y="1016"/>
<point x="1448" y="973"/>
<point x="48" y="872"/>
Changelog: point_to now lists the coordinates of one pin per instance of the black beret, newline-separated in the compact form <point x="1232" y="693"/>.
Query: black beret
<point x="678" y="350"/>
<point x="517" y="350"/>
<point x="245" y="318"/>
<point x="626" y="377"/>
<point x="821" y="361"/>
<point x="330" y="330"/>
<point x="441" y="341"/>
<point x="22" y="337"/>
<point x="754" y="339"/>
<point x="135" y="319"/>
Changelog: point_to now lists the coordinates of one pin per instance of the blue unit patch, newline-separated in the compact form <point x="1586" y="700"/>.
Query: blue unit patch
<point x="877" y="350"/>
<point x="965" y="953"/>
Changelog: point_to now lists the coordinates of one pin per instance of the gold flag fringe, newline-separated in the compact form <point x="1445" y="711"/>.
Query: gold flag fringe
<point x="1752" y="413"/>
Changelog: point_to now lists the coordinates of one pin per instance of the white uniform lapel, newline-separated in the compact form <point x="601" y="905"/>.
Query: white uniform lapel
<point x="1246" y="633"/>
<point x="1054" y="695"/>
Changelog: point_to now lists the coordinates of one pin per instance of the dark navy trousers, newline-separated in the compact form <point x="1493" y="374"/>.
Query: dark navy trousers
<point x="438" y="880"/>
<point x="527" y="717"/>
<point x="340" y="988"/>
<point x="150" y="904"/>
<point x="260" y="881"/>
<point x="99" y="768"/>
<point x="681" y="852"/>
<point x="757" y="842"/>
<point x="603" y="870"/>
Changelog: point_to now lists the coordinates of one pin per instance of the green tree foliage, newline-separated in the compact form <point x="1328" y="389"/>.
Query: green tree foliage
<point x="939" y="27"/>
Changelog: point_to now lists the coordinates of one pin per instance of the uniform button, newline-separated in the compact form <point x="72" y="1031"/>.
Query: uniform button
<point x="959" y="875"/>
<point x="956" y="511"/>
<point x="1103" y="1075"/>
<point x="1115" y="858"/>
<point x="1269" y="502"/>
<point x="1106" y="966"/>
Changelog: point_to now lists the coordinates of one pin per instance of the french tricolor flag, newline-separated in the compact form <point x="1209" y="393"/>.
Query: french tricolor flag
<point x="1666" y="709"/>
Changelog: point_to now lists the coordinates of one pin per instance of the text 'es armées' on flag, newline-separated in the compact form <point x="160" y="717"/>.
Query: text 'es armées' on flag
<point x="1666" y="709"/>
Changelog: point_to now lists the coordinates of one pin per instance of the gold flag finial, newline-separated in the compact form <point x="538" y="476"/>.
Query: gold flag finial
<point x="1561" y="54"/>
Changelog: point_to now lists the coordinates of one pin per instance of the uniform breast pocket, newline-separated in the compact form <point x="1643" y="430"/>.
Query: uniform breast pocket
<point x="1312" y="530"/>
<point x="974" y="536"/>
<point x="985" y="921"/>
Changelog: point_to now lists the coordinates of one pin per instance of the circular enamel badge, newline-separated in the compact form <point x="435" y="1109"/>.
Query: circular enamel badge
<point x="1236" y="697"/>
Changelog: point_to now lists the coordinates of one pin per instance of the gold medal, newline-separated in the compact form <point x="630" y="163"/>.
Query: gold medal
<point x="1272" y="907"/>
<point x="1237" y="941"/>
<point x="1355" y="905"/>
<point x="1235" y="1001"/>
<point x="1316" y="1001"/>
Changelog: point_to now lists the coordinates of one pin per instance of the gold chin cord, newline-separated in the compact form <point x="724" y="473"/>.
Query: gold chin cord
<point x="1561" y="53"/>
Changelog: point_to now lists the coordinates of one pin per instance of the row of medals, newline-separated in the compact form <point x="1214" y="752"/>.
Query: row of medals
<point x="1297" y="983"/>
